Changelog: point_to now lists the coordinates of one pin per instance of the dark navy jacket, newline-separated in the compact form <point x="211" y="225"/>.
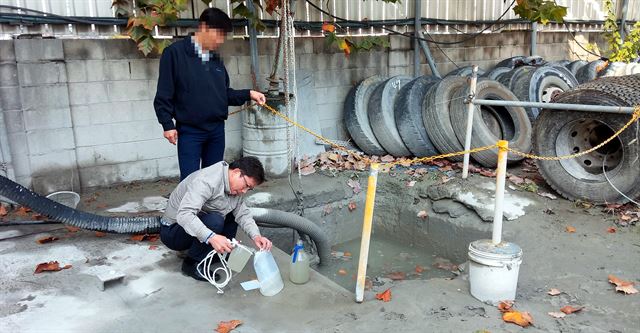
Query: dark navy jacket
<point x="192" y="92"/>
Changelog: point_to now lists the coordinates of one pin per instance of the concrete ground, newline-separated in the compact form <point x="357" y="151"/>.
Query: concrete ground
<point x="155" y="297"/>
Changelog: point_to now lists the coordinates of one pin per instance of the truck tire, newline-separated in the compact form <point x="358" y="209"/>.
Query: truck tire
<point x="356" y="118"/>
<point x="381" y="115"/>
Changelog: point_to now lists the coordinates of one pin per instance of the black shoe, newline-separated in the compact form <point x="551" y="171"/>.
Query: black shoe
<point x="190" y="268"/>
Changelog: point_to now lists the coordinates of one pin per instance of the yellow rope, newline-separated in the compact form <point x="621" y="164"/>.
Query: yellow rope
<point x="634" y="117"/>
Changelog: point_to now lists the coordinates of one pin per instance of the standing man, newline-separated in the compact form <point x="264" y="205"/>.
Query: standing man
<point x="193" y="90"/>
<point x="204" y="211"/>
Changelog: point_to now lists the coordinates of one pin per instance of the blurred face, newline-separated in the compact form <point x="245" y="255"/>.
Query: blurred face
<point x="210" y="38"/>
<point x="240" y="184"/>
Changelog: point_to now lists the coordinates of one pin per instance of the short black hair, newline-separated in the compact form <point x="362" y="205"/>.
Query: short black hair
<point x="249" y="166"/>
<point x="216" y="19"/>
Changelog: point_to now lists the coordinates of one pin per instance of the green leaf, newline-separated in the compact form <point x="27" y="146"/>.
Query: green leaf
<point x="162" y="44"/>
<point x="138" y="33"/>
<point x="146" y="45"/>
<point x="241" y="10"/>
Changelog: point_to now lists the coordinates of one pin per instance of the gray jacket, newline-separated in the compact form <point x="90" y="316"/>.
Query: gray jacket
<point x="207" y="190"/>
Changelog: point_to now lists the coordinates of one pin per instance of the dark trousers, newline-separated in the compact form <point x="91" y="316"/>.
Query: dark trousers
<point x="199" y="148"/>
<point x="175" y="238"/>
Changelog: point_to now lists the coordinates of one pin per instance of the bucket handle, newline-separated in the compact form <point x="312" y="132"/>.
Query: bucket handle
<point x="487" y="262"/>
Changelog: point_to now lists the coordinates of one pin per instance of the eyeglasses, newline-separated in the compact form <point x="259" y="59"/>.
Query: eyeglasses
<point x="246" y="184"/>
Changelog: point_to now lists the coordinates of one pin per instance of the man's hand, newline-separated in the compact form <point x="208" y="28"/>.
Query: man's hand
<point x="258" y="97"/>
<point x="172" y="136"/>
<point x="262" y="243"/>
<point x="221" y="244"/>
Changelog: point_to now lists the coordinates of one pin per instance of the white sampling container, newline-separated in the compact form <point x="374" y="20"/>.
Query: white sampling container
<point x="268" y="273"/>
<point x="299" y="265"/>
<point x="493" y="270"/>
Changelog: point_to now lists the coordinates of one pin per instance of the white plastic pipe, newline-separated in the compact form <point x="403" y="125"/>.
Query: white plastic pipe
<point x="366" y="232"/>
<point x="501" y="175"/>
<point x="470" y="107"/>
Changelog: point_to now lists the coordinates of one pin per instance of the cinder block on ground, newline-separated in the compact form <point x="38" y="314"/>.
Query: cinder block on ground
<point x="109" y="278"/>
<point x="33" y="50"/>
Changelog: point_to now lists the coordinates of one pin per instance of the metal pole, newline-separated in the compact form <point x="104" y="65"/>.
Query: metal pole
<point x="427" y="54"/>
<point x="366" y="232"/>
<point x="253" y="48"/>
<point x="558" y="106"/>
<point x="623" y="18"/>
<point x="416" y="29"/>
<point x="501" y="174"/>
<point x="534" y="38"/>
<point x="470" y="107"/>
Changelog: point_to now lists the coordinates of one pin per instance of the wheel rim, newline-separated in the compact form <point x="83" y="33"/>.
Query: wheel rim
<point x="550" y="93"/>
<point x="583" y="134"/>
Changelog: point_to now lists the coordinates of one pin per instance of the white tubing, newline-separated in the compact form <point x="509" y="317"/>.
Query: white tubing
<point x="501" y="174"/>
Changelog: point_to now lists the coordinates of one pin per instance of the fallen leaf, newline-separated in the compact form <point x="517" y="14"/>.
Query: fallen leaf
<point x="228" y="326"/>
<point x="554" y="292"/>
<point x="45" y="240"/>
<point x="419" y="269"/>
<point x="38" y="216"/>
<point x="547" y="195"/>
<point x="51" y="266"/>
<point x="328" y="27"/>
<point x="100" y="234"/>
<point x="446" y="168"/>
<point x="347" y="254"/>
<point x="71" y="228"/>
<point x="447" y="266"/>
<point x="568" y="309"/>
<point x="624" y="217"/>
<point x="355" y="185"/>
<point x="487" y="173"/>
<point x="384" y="296"/>
<point x="368" y="284"/>
<point x="101" y="206"/>
<point x="445" y="179"/>
<point x="570" y="229"/>
<point x="137" y="238"/>
<point x="557" y="314"/>
<point x="327" y="210"/>
<point x="522" y="319"/>
<point x="397" y="276"/>
<point x="611" y="230"/>
<point x="23" y="211"/>
<point x="309" y="169"/>
<point x="422" y="214"/>
<point x="3" y="211"/>
<point x="352" y="206"/>
<point x="387" y="158"/>
<point x="621" y="285"/>
<point x="505" y="306"/>
<point x="342" y="271"/>
<point x="411" y="183"/>
<point x="153" y="247"/>
<point x="516" y="180"/>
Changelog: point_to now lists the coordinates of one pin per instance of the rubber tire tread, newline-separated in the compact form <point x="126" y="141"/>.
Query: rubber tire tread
<point x="465" y="71"/>
<point x="548" y="126"/>
<point x="510" y="62"/>
<point x="589" y="71"/>
<point x="574" y="66"/>
<point x="381" y="115"/>
<point x="436" y="115"/>
<point x="481" y="135"/>
<point x="356" y="118"/>
<point x="408" y="114"/>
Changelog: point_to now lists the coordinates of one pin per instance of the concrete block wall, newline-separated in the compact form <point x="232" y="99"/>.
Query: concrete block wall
<point x="80" y="113"/>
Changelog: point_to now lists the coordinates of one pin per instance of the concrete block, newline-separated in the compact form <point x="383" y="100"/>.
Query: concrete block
<point x="24" y="181"/>
<point x="83" y="49"/>
<point x="7" y="52"/>
<point x="87" y="93"/>
<point x="244" y="65"/>
<point x="234" y="122"/>
<point x="33" y="74"/>
<point x="108" y="278"/>
<point x="455" y="54"/>
<point x="545" y="37"/>
<point x="47" y="119"/>
<point x="115" y="49"/>
<point x="8" y="74"/>
<point x="44" y="97"/>
<point x="475" y="54"/>
<point x="320" y="46"/>
<point x="146" y="69"/>
<point x="54" y="176"/>
<point x="331" y="111"/>
<point x="240" y="47"/>
<point x="330" y="95"/>
<point x="107" y="70"/>
<point x="114" y="133"/>
<point x="10" y="98"/>
<point x="143" y="110"/>
<point x="124" y="152"/>
<point x="399" y="43"/>
<point x="53" y="161"/>
<point x="168" y="167"/>
<point x="34" y="50"/>
<point x="233" y="145"/>
<point x="50" y="140"/>
<point x="118" y="173"/>
<point x="13" y="120"/>
<point x="128" y="90"/>
<point x="81" y="115"/>
<point x="20" y="154"/>
<point x="400" y="70"/>
<point x="76" y="71"/>
<point x="243" y="82"/>
<point x="304" y="45"/>
<point x="345" y="77"/>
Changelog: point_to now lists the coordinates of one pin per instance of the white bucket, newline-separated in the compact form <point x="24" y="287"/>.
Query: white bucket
<point x="493" y="270"/>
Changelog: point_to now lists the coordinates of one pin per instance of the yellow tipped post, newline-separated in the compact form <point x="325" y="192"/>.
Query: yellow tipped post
<point x="501" y="175"/>
<point x="366" y="232"/>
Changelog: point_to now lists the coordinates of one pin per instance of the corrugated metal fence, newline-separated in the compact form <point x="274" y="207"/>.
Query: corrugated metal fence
<point x="464" y="10"/>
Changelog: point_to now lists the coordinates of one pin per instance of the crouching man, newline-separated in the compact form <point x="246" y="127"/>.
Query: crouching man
<point x="205" y="209"/>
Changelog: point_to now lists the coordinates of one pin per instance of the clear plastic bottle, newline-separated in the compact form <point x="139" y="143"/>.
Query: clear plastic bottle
<point x="299" y="269"/>
<point x="268" y="273"/>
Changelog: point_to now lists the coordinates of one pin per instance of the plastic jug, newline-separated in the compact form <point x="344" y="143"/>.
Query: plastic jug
<point x="268" y="273"/>
<point x="299" y="265"/>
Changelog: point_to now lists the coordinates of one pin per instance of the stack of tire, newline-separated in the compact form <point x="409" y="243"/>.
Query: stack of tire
<point x="427" y="116"/>
<point x="607" y="175"/>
